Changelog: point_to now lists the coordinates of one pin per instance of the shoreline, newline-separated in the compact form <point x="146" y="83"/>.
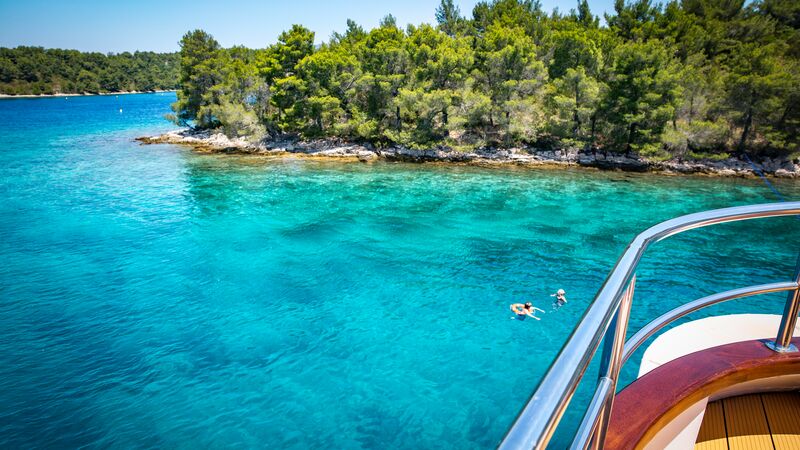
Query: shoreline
<point x="206" y="141"/>
<point x="2" y="96"/>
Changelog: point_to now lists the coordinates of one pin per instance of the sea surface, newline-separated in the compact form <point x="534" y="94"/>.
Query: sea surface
<point x="153" y="297"/>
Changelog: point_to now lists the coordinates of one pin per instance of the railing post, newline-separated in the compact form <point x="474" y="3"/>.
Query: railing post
<point x="783" y="342"/>
<point x="611" y="361"/>
<point x="538" y="419"/>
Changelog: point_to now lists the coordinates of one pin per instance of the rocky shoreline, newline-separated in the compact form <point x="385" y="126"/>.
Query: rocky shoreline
<point x="85" y="94"/>
<point x="215" y="142"/>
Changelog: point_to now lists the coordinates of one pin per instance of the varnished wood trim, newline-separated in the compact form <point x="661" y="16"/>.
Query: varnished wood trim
<point x="658" y="397"/>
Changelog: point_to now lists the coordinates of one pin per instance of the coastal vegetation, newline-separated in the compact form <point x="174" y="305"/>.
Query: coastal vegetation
<point x="688" y="79"/>
<point x="39" y="71"/>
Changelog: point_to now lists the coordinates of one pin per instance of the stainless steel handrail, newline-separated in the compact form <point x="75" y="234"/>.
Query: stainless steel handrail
<point x="536" y="423"/>
<point x="588" y="426"/>
<point x="665" y="319"/>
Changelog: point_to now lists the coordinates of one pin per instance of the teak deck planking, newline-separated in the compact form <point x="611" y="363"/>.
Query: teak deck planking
<point x="756" y="421"/>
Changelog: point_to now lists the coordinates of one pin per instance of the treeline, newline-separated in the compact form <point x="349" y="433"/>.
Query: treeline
<point x="35" y="70"/>
<point x="692" y="78"/>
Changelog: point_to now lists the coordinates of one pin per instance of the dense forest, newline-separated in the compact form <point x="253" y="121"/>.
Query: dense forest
<point x="689" y="78"/>
<point x="34" y="70"/>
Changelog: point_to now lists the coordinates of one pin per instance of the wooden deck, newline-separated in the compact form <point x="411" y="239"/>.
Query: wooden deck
<point x="769" y="421"/>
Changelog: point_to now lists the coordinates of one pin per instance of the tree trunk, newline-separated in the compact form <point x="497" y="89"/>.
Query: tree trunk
<point x="594" y="123"/>
<point x="785" y="114"/>
<point x="629" y="145"/>
<point x="444" y="116"/>
<point x="399" y="122"/>
<point x="575" y="116"/>
<point x="577" y="120"/>
<point x="748" y="121"/>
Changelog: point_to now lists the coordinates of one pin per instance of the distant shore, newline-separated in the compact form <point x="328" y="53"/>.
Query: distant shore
<point x="81" y="95"/>
<point x="215" y="142"/>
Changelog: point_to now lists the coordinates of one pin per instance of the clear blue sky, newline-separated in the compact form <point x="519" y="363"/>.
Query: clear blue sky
<point x="125" y="25"/>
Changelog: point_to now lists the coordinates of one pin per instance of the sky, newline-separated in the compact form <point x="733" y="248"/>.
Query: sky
<point x="125" y="25"/>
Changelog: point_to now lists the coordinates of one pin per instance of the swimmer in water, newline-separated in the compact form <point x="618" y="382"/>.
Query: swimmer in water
<point x="561" y="299"/>
<point x="523" y="310"/>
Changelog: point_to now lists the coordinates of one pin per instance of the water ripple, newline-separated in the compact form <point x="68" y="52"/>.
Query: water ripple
<point x="151" y="297"/>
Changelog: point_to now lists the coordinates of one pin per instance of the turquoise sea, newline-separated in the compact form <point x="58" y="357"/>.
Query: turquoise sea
<point x="155" y="297"/>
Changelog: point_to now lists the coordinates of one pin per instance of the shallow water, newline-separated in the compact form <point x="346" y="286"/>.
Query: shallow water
<point x="154" y="297"/>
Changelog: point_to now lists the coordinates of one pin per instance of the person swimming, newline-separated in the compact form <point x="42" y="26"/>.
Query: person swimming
<point x="524" y="310"/>
<point x="561" y="299"/>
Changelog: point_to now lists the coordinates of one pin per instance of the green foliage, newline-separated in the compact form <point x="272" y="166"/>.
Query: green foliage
<point x="584" y="15"/>
<point x="34" y="70"/>
<point x="293" y="45"/>
<point x="642" y="95"/>
<point x="633" y="20"/>
<point x="687" y="78"/>
<point x="756" y="87"/>
<point x="509" y="72"/>
<point x="449" y="18"/>
<point x="575" y="100"/>
<point x="198" y="74"/>
<point x="695" y="138"/>
<point x="289" y="96"/>
<point x="576" y="46"/>
<point x="324" y="111"/>
<point x="238" y="121"/>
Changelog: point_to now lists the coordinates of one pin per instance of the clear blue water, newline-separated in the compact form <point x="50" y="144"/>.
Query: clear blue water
<point x="155" y="297"/>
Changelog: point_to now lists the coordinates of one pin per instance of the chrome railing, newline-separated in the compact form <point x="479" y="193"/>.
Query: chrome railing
<point x="606" y="320"/>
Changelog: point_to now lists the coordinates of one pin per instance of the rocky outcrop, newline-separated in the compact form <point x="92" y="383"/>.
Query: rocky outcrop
<point x="210" y="141"/>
